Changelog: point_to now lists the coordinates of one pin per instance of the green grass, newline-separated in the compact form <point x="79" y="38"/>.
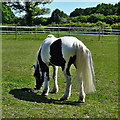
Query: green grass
<point x="19" y="55"/>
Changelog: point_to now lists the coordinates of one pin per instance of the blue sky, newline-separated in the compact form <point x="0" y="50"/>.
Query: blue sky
<point x="67" y="6"/>
<point x="108" y="1"/>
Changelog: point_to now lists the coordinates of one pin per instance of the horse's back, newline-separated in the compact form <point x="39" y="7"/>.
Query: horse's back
<point x="56" y="49"/>
<point x="45" y="48"/>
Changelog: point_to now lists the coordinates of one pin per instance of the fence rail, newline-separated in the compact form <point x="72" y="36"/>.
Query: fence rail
<point x="19" y="30"/>
<point x="38" y="30"/>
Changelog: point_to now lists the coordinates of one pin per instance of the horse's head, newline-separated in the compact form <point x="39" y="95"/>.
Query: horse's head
<point x="38" y="77"/>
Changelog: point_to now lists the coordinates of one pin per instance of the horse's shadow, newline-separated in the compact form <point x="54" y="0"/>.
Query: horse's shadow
<point x="27" y="95"/>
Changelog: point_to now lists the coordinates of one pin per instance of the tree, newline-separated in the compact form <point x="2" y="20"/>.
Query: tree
<point x="7" y="14"/>
<point x="105" y="9"/>
<point x="93" y="18"/>
<point x="40" y="21"/>
<point x="110" y="19"/>
<point x="118" y="10"/>
<point x="31" y="9"/>
<point x="58" y="16"/>
<point x="77" y="12"/>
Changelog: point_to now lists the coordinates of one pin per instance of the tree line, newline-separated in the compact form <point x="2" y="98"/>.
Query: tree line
<point x="104" y="9"/>
<point x="102" y="14"/>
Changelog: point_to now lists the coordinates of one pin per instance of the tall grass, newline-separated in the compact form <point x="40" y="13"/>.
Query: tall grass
<point x="18" y="57"/>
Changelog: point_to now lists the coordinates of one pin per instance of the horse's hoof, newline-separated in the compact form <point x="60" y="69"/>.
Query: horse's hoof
<point x="36" y="88"/>
<point x="54" y="91"/>
<point x="62" y="99"/>
<point x="44" y="93"/>
<point x="80" y="101"/>
<point x="32" y="90"/>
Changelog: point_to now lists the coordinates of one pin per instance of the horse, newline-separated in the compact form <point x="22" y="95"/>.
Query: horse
<point x="64" y="52"/>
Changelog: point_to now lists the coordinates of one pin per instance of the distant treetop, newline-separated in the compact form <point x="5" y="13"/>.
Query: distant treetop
<point x="105" y="9"/>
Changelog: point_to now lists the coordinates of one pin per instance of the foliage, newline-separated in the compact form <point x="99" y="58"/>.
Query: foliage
<point x="40" y="20"/>
<point x="58" y="16"/>
<point x="31" y="9"/>
<point x="7" y="14"/>
<point x="118" y="8"/>
<point x="111" y="19"/>
<point x="105" y="9"/>
<point x="81" y="24"/>
<point x="106" y="14"/>
<point x="93" y="18"/>
<point x="116" y="25"/>
<point x="18" y="57"/>
<point x="77" y="12"/>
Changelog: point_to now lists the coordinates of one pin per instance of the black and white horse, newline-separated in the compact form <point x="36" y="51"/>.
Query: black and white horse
<point x="64" y="52"/>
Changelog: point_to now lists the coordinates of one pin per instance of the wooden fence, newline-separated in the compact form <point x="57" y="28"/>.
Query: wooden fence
<point x="16" y="30"/>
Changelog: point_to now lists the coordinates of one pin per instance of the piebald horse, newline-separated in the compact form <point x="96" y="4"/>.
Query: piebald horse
<point x="64" y="52"/>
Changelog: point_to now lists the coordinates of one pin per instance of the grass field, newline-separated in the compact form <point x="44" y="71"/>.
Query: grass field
<point x="19" y="55"/>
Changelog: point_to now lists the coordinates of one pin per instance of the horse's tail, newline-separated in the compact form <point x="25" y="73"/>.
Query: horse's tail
<point x="85" y="70"/>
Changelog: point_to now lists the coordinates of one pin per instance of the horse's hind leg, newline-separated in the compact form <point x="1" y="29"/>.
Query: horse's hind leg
<point x="82" y="93"/>
<point x="55" y="71"/>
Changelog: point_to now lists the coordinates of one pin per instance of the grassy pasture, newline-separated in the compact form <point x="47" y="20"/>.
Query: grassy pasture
<point x="19" y="55"/>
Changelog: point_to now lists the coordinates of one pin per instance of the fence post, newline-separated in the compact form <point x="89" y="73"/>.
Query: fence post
<point x="15" y="32"/>
<point x="35" y="30"/>
<point x="69" y="31"/>
<point x="102" y="31"/>
<point x="58" y="31"/>
<point x="99" y="33"/>
<point x="69" y="28"/>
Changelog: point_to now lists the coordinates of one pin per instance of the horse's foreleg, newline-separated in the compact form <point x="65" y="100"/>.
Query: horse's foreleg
<point x="82" y="93"/>
<point x="67" y="93"/>
<point x="55" y="71"/>
<point x="46" y="84"/>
